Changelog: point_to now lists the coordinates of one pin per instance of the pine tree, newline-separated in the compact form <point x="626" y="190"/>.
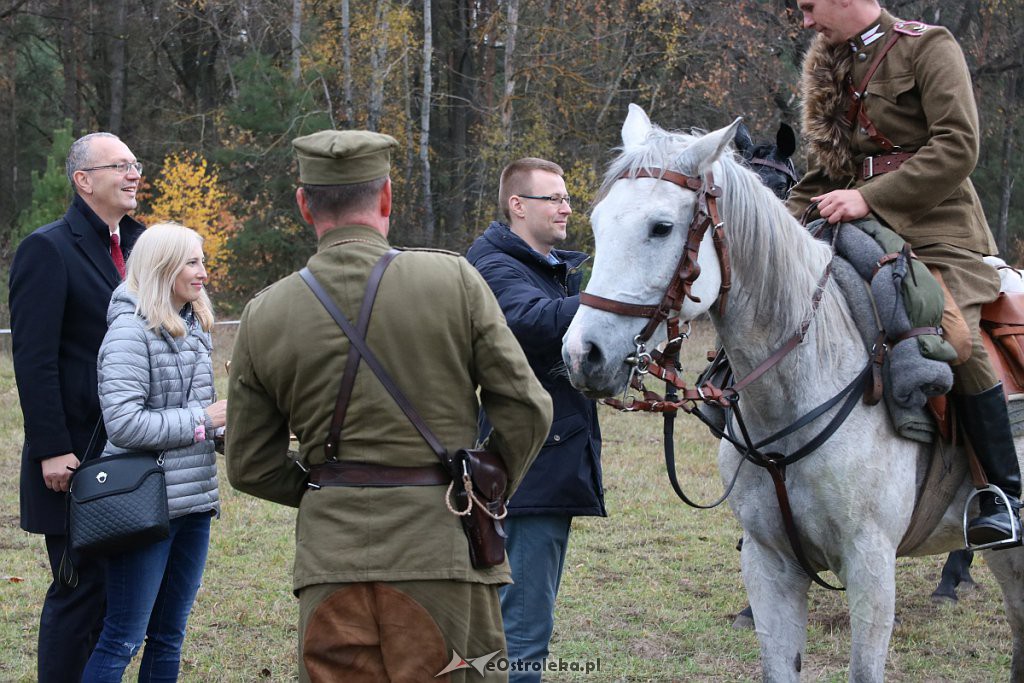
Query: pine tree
<point x="51" y="192"/>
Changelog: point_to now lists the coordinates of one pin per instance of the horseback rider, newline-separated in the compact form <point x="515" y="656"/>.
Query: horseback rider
<point x="892" y="129"/>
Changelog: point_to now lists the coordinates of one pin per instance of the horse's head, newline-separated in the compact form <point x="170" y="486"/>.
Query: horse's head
<point x="645" y="231"/>
<point x="771" y="161"/>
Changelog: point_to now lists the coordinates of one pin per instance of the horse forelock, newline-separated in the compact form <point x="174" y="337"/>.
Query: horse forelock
<point x="661" y="150"/>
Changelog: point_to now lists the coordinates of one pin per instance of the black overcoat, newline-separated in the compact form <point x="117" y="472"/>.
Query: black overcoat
<point x="60" y="285"/>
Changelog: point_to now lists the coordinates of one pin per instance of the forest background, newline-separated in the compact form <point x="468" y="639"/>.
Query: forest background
<point x="209" y="94"/>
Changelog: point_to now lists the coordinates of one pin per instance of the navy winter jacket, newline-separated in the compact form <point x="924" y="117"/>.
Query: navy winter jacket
<point x="539" y="300"/>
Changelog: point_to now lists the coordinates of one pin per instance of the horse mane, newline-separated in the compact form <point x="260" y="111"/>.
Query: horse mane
<point x="775" y="261"/>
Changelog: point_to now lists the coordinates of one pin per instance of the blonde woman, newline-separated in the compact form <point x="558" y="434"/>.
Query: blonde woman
<point x="156" y="392"/>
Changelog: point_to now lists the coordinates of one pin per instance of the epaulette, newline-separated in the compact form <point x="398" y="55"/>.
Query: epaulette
<point x="911" y="28"/>
<point x="263" y="290"/>
<point x="431" y="250"/>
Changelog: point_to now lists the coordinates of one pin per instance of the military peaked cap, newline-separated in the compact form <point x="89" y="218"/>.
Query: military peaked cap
<point x="343" y="157"/>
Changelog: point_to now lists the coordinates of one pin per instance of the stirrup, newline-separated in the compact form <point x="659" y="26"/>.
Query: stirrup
<point x="1015" y="537"/>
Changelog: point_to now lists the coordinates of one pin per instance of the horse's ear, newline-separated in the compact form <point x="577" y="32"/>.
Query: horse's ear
<point x="636" y="127"/>
<point x="785" y="141"/>
<point x="706" y="150"/>
<point x="744" y="143"/>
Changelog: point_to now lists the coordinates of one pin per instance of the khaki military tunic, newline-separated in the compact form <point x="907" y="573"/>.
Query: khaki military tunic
<point x="921" y="98"/>
<point x="439" y="332"/>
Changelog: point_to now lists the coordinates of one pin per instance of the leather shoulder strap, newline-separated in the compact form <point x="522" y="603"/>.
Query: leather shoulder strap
<point x="358" y="342"/>
<point x="856" y="111"/>
<point x="348" y="379"/>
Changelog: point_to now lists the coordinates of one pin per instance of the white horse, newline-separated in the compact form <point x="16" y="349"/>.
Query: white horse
<point x="853" y="497"/>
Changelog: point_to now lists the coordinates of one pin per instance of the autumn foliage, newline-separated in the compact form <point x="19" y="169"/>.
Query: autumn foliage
<point x="189" y="191"/>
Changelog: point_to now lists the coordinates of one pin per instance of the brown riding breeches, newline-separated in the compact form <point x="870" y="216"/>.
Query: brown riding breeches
<point x="973" y="283"/>
<point x="397" y="632"/>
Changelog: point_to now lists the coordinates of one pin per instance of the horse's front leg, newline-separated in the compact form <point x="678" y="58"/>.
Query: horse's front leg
<point x="777" y="588"/>
<point x="869" y="574"/>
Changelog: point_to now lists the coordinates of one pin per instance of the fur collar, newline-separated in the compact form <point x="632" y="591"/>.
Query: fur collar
<point x="826" y="70"/>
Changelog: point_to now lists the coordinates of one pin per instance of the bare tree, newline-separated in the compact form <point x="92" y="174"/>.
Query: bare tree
<point x="512" y="27"/>
<point x="378" y="70"/>
<point x="346" y="59"/>
<point x="296" y="32"/>
<point x="69" y="61"/>
<point x="117" y="66"/>
<point x="1002" y="227"/>
<point x="428" y="51"/>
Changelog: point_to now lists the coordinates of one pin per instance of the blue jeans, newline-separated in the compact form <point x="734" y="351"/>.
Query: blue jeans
<point x="150" y="592"/>
<point x="536" y="548"/>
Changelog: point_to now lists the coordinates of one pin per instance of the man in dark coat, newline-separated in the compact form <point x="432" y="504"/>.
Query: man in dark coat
<point x="538" y="289"/>
<point x="903" y="150"/>
<point x="61" y="280"/>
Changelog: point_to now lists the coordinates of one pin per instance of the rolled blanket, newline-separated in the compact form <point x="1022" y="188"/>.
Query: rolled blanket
<point x="910" y="423"/>
<point x="916" y="377"/>
<point x="855" y="289"/>
<point x="859" y="248"/>
<point x="887" y="288"/>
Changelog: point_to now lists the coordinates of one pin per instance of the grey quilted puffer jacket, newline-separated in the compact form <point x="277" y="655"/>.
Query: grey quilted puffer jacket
<point x="143" y="376"/>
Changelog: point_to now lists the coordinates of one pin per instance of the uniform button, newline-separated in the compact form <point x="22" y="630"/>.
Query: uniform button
<point x="862" y="56"/>
<point x="557" y="437"/>
<point x="863" y="131"/>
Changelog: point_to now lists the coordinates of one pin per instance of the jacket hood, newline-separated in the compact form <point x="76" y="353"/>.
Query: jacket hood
<point x="498" y="237"/>
<point x="122" y="302"/>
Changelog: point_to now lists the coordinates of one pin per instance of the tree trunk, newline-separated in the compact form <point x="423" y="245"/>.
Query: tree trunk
<point x="117" y="66"/>
<point x="512" y="27"/>
<point x="346" y="61"/>
<point x="296" y="32"/>
<point x="378" y="61"/>
<point x="1002" y="228"/>
<point x="461" y="93"/>
<point x="428" y="82"/>
<point x="9" y="147"/>
<point x="69" y="52"/>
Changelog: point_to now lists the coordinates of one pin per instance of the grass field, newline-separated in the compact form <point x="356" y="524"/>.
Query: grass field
<point x="650" y="591"/>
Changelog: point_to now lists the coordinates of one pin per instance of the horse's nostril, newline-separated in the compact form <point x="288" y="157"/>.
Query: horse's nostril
<point x="594" y="355"/>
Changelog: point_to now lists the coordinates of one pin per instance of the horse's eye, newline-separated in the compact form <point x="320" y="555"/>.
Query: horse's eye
<point x="661" y="229"/>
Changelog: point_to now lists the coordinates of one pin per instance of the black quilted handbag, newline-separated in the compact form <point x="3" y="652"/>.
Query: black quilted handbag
<point x="118" y="503"/>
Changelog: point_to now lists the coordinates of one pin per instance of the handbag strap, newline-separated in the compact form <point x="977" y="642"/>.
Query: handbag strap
<point x="359" y="343"/>
<point x="348" y="380"/>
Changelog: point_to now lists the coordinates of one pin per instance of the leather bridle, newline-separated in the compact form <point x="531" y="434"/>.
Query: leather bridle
<point x="785" y="169"/>
<point x="688" y="269"/>
<point x="664" y="364"/>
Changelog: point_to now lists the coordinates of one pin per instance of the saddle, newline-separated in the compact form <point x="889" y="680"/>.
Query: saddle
<point x="1002" y="333"/>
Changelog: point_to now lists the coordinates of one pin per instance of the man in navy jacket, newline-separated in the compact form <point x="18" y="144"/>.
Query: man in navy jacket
<point x="538" y="289"/>
<point x="61" y="280"/>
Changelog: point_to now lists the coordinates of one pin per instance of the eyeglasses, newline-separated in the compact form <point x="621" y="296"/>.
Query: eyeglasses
<point x="121" y="168"/>
<point x="555" y="199"/>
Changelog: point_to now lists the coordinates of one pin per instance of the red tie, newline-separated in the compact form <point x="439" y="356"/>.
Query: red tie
<point x="115" y="253"/>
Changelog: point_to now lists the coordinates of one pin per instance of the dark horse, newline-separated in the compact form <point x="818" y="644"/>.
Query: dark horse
<point x="773" y="163"/>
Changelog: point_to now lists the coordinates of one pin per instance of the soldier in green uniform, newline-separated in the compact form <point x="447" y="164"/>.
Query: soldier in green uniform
<point x="383" y="574"/>
<point x="892" y="129"/>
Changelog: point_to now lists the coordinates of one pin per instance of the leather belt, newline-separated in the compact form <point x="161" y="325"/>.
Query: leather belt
<point x="883" y="163"/>
<point x="382" y="476"/>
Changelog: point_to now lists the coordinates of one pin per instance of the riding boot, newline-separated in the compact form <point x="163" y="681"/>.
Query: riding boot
<point x="986" y="423"/>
